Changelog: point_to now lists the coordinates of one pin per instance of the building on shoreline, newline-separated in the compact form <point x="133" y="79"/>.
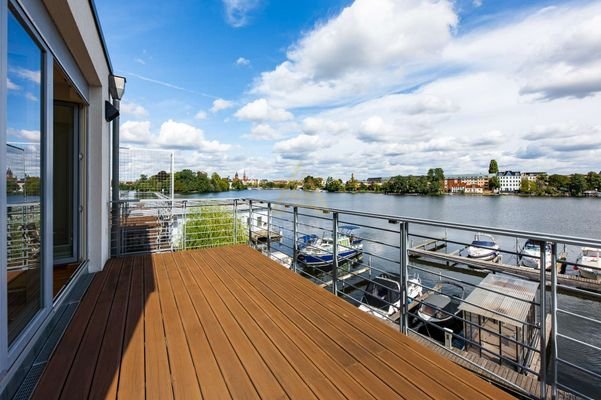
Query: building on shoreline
<point x="466" y="183"/>
<point x="509" y="181"/>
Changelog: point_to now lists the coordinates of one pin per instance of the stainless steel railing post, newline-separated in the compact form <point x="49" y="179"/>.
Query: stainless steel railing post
<point x="554" y="318"/>
<point x="185" y="225"/>
<point x="295" y="238"/>
<point x="268" y="228"/>
<point x="543" y="318"/>
<point x="235" y="227"/>
<point x="404" y="261"/>
<point x="250" y="218"/>
<point x="335" y="253"/>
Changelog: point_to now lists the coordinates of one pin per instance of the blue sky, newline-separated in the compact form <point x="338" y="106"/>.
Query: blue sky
<point x="282" y="89"/>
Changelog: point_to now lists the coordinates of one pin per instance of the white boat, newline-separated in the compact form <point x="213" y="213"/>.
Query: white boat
<point x="589" y="263"/>
<point x="530" y="255"/>
<point x="382" y="297"/>
<point x="483" y="247"/>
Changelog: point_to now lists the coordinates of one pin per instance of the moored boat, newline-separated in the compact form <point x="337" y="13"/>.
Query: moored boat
<point x="589" y="263"/>
<point x="382" y="297"/>
<point x="441" y="307"/>
<point x="530" y="255"/>
<point x="319" y="252"/>
<point x="483" y="247"/>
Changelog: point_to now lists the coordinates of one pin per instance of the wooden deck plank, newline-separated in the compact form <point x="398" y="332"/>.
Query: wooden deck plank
<point x="158" y="372"/>
<point x="184" y="381"/>
<point x="54" y="376"/>
<point x="259" y="373"/>
<point x="106" y="376"/>
<point x="341" y="308"/>
<point x="290" y="380"/>
<point x="230" y="323"/>
<point x="131" y="376"/>
<point x="418" y="370"/>
<point x="321" y="327"/>
<point x="234" y="374"/>
<point x="339" y="376"/>
<point x="82" y="371"/>
<point x="313" y="376"/>
<point x="210" y="377"/>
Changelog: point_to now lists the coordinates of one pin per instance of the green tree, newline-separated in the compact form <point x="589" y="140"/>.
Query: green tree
<point x="560" y="183"/>
<point x="435" y="179"/>
<point x="494" y="183"/>
<point x="237" y="184"/>
<point x="333" y="185"/>
<point x="352" y="184"/>
<point x="32" y="185"/>
<point x="493" y="167"/>
<point x="11" y="182"/>
<point x="577" y="185"/>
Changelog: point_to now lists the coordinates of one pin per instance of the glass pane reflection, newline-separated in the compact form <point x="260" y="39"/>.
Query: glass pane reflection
<point x="23" y="177"/>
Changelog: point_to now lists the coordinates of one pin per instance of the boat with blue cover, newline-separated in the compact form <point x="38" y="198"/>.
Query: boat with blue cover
<point x="318" y="252"/>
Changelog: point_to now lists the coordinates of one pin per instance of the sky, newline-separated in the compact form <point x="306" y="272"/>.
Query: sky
<point x="283" y="89"/>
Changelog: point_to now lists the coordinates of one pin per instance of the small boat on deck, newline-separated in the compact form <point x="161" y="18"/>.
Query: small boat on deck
<point x="483" y="247"/>
<point x="382" y="297"/>
<point x="318" y="252"/>
<point x="589" y="263"/>
<point x="530" y="255"/>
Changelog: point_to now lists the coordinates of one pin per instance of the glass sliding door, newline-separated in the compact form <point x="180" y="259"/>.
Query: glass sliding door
<point x="65" y="179"/>
<point x="24" y="182"/>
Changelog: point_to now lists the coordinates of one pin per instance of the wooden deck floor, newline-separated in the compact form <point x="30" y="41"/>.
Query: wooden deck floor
<point x="231" y="323"/>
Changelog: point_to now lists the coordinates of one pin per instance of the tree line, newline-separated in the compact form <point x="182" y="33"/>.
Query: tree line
<point x="561" y="185"/>
<point x="185" y="181"/>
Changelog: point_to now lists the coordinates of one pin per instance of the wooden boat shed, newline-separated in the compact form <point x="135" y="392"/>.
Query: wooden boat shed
<point x="501" y="327"/>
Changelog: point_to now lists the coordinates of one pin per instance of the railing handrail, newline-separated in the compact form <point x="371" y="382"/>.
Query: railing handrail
<point x="569" y="240"/>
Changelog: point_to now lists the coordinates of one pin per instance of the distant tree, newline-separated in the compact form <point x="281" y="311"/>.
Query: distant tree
<point x="593" y="181"/>
<point x="526" y="186"/>
<point x="559" y="183"/>
<point x="493" y="167"/>
<point x="11" y="182"/>
<point x="494" y="184"/>
<point x="435" y="180"/>
<point x="32" y="185"/>
<point x="577" y="185"/>
<point x="352" y="184"/>
<point x="333" y="185"/>
<point x="237" y="184"/>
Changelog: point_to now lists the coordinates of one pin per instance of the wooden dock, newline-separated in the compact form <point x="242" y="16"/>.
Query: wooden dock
<point x="229" y="322"/>
<point x="453" y="259"/>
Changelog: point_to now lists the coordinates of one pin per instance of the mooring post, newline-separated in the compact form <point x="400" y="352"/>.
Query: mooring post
<point x="335" y="253"/>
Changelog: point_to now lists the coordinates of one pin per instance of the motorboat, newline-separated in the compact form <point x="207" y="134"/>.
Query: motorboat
<point x="442" y="306"/>
<point x="483" y="247"/>
<point x="318" y="252"/>
<point x="589" y="263"/>
<point x="382" y="297"/>
<point x="531" y="253"/>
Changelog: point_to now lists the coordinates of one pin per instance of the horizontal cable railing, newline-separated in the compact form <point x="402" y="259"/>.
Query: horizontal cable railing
<point x="511" y="299"/>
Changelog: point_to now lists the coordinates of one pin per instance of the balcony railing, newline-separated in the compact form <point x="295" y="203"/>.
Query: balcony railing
<point x="416" y="274"/>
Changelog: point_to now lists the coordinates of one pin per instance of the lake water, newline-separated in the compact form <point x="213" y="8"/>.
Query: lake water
<point x="564" y="216"/>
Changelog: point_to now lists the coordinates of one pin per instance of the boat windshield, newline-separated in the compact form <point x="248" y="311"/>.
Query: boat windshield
<point x="591" y="253"/>
<point x="381" y="293"/>
<point x="531" y="246"/>
<point x="483" y="243"/>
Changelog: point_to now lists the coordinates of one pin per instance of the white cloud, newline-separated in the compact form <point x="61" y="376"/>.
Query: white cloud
<point x="179" y="135"/>
<point x="368" y="46"/>
<point x="11" y="85"/>
<point x="221" y="104"/>
<point x="201" y="115"/>
<point x="242" y="61"/>
<point x="137" y="132"/>
<point x="316" y="126"/>
<point x="31" y="97"/>
<point x="30" y="75"/>
<point x="133" y="109"/>
<point x="236" y="11"/>
<point x="25" y="134"/>
<point x="300" y="146"/>
<point x="140" y="61"/>
<point x="263" y="132"/>
<point x="261" y="110"/>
